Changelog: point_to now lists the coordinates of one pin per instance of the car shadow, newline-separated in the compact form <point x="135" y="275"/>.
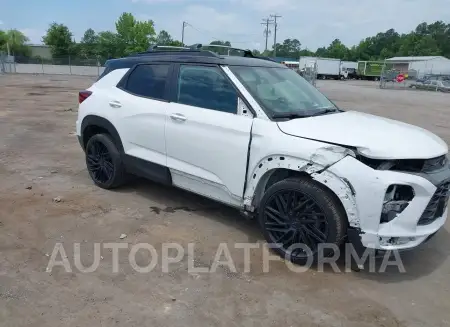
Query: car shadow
<point x="174" y="199"/>
<point x="396" y="267"/>
<point x="416" y="263"/>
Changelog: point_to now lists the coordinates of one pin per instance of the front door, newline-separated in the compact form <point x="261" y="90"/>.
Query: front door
<point x="206" y="140"/>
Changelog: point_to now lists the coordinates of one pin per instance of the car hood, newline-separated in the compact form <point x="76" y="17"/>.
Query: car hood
<point x="373" y="136"/>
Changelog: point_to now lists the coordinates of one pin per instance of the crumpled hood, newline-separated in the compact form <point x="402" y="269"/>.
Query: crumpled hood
<point x="375" y="137"/>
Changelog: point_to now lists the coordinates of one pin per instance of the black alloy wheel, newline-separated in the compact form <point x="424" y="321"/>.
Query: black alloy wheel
<point x="99" y="162"/>
<point x="297" y="215"/>
<point x="104" y="162"/>
<point x="294" y="218"/>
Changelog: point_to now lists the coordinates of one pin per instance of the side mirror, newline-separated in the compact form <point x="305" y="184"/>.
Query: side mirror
<point x="242" y="109"/>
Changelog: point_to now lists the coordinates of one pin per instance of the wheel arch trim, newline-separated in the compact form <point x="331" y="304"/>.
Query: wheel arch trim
<point x="339" y="186"/>
<point x="93" y="120"/>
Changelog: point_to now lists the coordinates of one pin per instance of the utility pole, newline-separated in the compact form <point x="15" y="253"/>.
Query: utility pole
<point x="275" y="34"/>
<point x="266" y="22"/>
<point x="182" y="33"/>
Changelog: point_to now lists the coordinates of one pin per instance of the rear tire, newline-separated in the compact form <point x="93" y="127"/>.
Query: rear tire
<point x="104" y="162"/>
<point x="301" y="211"/>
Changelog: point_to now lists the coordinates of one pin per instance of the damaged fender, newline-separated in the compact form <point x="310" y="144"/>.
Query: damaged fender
<point x="316" y="167"/>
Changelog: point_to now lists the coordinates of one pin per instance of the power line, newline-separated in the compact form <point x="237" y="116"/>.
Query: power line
<point x="266" y="22"/>
<point x="275" y="34"/>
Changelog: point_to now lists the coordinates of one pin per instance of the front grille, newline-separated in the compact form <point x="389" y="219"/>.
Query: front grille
<point x="437" y="204"/>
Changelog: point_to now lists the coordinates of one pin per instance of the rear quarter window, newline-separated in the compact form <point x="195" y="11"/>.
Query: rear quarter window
<point x="148" y="81"/>
<point x="111" y="65"/>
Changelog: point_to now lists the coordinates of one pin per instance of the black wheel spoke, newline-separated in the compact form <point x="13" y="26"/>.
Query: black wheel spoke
<point x="307" y="240"/>
<point x="276" y="215"/>
<point x="109" y="167"/>
<point x="290" y="202"/>
<point x="315" y="233"/>
<point x="292" y="217"/>
<point x="300" y="205"/>
<point x="277" y="228"/>
<point x="281" y="204"/>
<point x="283" y="237"/>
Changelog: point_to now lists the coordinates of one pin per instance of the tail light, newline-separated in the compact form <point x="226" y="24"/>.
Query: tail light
<point x="83" y="95"/>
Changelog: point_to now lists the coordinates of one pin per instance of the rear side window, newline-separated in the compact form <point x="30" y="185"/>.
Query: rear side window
<point x="148" y="81"/>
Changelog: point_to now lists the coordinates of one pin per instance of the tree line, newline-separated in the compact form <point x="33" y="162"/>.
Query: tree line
<point x="132" y="35"/>
<point x="426" y="40"/>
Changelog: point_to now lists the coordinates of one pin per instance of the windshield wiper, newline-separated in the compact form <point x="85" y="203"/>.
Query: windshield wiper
<point x="325" y="111"/>
<point x="289" y="115"/>
<point x="293" y="114"/>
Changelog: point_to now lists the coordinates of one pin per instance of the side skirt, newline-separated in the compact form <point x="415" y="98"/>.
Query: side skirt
<point x="147" y="169"/>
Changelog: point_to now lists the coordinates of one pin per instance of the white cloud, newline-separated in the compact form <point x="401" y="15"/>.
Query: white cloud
<point x="1" y="22"/>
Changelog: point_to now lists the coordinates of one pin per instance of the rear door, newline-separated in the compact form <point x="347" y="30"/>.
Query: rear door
<point x="207" y="141"/>
<point x="141" y="103"/>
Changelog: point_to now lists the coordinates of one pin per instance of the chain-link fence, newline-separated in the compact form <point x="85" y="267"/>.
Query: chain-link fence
<point x="404" y="76"/>
<point x="66" y="65"/>
<point x="308" y="70"/>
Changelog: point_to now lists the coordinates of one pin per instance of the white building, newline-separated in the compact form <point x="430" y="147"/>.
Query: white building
<point x="422" y="65"/>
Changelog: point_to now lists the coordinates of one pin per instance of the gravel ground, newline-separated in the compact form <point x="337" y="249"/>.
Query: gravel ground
<point x="41" y="160"/>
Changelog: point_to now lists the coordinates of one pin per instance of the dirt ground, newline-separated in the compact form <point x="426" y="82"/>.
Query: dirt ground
<point x="40" y="159"/>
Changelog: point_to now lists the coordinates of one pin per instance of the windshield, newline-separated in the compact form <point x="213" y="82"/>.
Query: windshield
<point x="282" y="91"/>
<point x="446" y="83"/>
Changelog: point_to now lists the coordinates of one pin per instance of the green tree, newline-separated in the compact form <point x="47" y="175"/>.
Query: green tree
<point x="3" y="39"/>
<point x="59" y="38"/>
<point x="256" y="52"/>
<point x="107" y="45"/>
<point x="218" y="42"/>
<point x="133" y="35"/>
<point x="289" y="48"/>
<point x="337" y="50"/>
<point x="164" y="38"/>
<point x="16" y="41"/>
<point x="88" y="46"/>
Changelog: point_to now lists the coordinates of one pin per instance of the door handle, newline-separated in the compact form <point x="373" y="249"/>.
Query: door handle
<point x="178" y="117"/>
<point x="115" y="104"/>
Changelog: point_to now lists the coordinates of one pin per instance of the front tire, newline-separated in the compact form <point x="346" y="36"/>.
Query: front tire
<point x="104" y="162"/>
<point x="298" y="214"/>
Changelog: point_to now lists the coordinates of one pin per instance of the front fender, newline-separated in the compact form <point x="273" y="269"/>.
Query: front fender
<point x="316" y="167"/>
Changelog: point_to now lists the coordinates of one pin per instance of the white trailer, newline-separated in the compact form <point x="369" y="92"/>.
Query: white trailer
<point x="349" y="64"/>
<point x="326" y="67"/>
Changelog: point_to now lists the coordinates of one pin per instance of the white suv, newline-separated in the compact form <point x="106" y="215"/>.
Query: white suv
<point x="255" y="135"/>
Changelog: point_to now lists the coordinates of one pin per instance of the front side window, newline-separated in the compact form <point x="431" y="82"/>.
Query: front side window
<point x="206" y="87"/>
<point x="148" y="81"/>
<point x="281" y="91"/>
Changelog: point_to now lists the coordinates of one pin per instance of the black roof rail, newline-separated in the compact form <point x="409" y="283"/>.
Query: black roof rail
<point x="246" y="52"/>
<point x="197" y="50"/>
<point x="157" y="47"/>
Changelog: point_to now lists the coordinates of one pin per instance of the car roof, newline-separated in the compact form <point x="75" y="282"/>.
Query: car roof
<point x="205" y="57"/>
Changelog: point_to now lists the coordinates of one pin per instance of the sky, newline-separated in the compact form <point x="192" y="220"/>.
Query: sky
<point x="314" y="22"/>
